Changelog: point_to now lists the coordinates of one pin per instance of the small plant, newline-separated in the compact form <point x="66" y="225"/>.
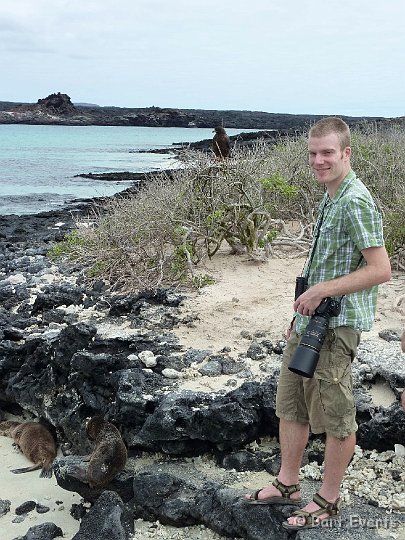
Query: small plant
<point x="202" y="280"/>
<point x="280" y="185"/>
<point x="98" y="269"/>
<point x="269" y="238"/>
<point x="66" y="247"/>
<point x="181" y="261"/>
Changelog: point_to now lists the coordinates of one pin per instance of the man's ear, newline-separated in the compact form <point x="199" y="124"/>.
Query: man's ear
<point x="347" y="152"/>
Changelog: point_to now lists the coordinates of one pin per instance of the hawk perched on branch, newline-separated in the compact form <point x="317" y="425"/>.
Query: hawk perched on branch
<point x="221" y="144"/>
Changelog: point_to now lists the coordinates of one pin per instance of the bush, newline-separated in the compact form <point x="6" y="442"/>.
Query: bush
<point x="159" y="235"/>
<point x="378" y="157"/>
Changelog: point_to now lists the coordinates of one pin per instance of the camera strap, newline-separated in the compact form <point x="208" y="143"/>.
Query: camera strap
<point x="317" y="232"/>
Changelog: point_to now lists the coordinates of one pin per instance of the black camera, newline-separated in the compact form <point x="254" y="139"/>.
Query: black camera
<point x="306" y="356"/>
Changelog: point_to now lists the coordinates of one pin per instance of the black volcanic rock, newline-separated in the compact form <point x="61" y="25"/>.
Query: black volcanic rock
<point x="66" y="468"/>
<point x="25" y="507"/>
<point x="59" y="295"/>
<point x="175" y="501"/>
<point x="109" y="518"/>
<point x="384" y="428"/>
<point x="57" y="104"/>
<point x="5" y="505"/>
<point x="43" y="531"/>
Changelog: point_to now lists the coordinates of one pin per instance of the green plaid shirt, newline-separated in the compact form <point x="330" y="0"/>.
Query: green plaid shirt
<point x="351" y="222"/>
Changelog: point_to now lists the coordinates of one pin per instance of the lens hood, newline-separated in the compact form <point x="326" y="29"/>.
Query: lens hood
<point x="304" y="361"/>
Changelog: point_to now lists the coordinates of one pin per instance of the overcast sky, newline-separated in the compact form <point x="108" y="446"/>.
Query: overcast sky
<point x="282" y="56"/>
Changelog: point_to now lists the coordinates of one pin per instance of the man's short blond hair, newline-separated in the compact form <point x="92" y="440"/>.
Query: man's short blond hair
<point x="332" y="124"/>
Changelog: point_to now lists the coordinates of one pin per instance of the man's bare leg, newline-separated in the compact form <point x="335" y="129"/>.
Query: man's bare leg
<point x="293" y="440"/>
<point x="338" y="453"/>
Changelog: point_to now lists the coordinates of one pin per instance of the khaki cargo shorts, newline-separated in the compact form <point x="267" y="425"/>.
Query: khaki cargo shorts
<point x="326" y="401"/>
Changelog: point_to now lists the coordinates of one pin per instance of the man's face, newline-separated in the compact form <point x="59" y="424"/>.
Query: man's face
<point x="328" y="161"/>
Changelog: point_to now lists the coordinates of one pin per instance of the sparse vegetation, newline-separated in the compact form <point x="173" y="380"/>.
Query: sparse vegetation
<point x="68" y="246"/>
<point x="160" y="235"/>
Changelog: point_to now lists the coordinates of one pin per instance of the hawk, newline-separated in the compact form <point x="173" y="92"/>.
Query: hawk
<point x="221" y="144"/>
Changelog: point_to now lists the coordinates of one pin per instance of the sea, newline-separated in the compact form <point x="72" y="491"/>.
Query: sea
<point x="39" y="164"/>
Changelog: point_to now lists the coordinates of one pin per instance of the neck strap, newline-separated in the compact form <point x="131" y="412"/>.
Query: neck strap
<point x="317" y="232"/>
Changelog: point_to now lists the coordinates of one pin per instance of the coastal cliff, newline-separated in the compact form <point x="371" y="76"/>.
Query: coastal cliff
<point x="58" y="109"/>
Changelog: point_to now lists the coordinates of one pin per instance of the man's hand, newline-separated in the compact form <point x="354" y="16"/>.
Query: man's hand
<point x="376" y="271"/>
<point x="308" y="301"/>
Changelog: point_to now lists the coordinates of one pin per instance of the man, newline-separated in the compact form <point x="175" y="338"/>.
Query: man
<point x="349" y="260"/>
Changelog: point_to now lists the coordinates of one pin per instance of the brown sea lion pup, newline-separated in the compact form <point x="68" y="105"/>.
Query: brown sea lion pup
<point x="221" y="144"/>
<point x="35" y="442"/>
<point x="109" y="454"/>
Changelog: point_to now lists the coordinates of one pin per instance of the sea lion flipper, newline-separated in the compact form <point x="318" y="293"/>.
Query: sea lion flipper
<point x="46" y="473"/>
<point x="77" y="471"/>
<point x="26" y="469"/>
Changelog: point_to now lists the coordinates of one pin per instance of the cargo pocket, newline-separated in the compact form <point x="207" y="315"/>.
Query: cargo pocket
<point x="347" y="341"/>
<point x="336" y="389"/>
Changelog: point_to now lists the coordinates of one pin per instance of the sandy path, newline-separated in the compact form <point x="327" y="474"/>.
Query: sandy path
<point x="258" y="297"/>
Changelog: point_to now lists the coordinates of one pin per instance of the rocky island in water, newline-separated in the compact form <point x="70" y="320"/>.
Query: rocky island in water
<point x="58" y="109"/>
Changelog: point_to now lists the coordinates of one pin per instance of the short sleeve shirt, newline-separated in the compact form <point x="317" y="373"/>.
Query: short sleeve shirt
<point x="351" y="222"/>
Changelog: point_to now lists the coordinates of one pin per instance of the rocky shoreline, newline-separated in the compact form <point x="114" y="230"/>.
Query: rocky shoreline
<point x="242" y="140"/>
<point x="58" y="109"/>
<point x="69" y="351"/>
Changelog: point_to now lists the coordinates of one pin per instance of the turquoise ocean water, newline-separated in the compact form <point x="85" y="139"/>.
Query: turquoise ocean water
<point x="38" y="164"/>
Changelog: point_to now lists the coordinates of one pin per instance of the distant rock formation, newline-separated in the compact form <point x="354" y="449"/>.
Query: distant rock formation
<point x="58" y="109"/>
<point x="55" y="104"/>
<point x="58" y="104"/>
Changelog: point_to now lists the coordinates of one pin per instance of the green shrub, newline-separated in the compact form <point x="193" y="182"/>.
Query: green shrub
<point x="67" y="246"/>
<point x="395" y="231"/>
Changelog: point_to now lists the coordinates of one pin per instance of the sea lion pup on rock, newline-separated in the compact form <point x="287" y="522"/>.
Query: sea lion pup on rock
<point x="221" y="144"/>
<point x="35" y="442"/>
<point x="108" y="457"/>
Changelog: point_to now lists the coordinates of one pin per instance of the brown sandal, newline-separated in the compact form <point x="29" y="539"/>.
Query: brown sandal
<point x="309" y="520"/>
<point x="284" y="498"/>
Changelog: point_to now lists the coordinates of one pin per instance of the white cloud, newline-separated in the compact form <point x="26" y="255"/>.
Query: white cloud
<point x="290" y="56"/>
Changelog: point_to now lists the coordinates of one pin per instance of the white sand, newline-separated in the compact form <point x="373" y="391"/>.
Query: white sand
<point x="255" y="297"/>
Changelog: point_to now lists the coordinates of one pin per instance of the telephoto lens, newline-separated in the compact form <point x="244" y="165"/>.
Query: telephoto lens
<point x="306" y="356"/>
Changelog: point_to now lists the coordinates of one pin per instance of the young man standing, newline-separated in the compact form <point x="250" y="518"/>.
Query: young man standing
<point x="348" y="260"/>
